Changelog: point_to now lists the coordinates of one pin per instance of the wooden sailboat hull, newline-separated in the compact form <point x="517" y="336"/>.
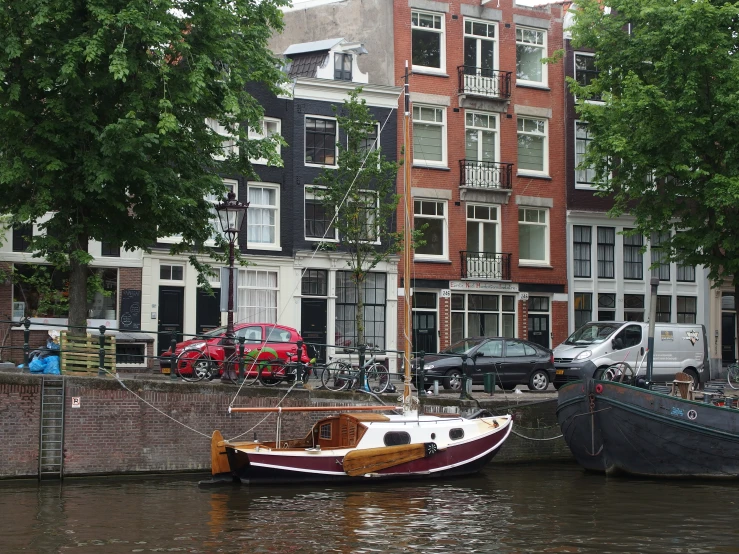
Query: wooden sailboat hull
<point x="635" y="431"/>
<point x="413" y="462"/>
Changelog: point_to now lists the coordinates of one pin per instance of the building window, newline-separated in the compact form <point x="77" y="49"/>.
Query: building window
<point x="375" y="291"/>
<point x="109" y="250"/>
<point x="584" y="177"/>
<point x="22" y="237"/>
<point x="606" y="248"/>
<point x="432" y="214"/>
<point x="320" y="141"/>
<point x="659" y="256"/>
<point x="343" y="67"/>
<point x="530" y="51"/>
<point x="482" y="229"/>
<point x="606" y="307"/>
<point x="429" y="136"/>
<point x="427" y="41"/>
<point x="687" y="311"/>
<point x="228" y="145"/>
<point x="263" y="216"/>
<point x="633" y="258"/>
<point x="268" y="126"/>
<point x="533" y="236"/>
<point x="370" y="141"/>
<point x="581" y="237"/>
<point x="532" y="145"/>
<point x="686" y="273"/>
<point x="483" y="315"/>
<point x="319" y="218"/>
<point x="479" y="48"/>
<point x="314" y="282"/>
<point x="663" y="309"/>
<point x="481" y="137"/>
<point x="634" y="307"/>
<point x="171" y="272"/>
<point x="585" y="71"/>
<point x="583" y="308"/>
<point x="257" y="296"/>
<point x="365" y="207"/>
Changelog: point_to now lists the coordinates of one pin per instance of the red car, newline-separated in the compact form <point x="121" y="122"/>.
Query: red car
<point x="196" y="357"/>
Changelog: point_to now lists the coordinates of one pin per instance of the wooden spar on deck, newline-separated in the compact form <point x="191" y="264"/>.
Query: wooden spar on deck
<point x="407" y="246"/>
<point x="316" y="409"/>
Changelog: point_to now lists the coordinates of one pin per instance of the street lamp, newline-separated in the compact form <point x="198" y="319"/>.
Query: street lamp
<point x="231" y="214"/>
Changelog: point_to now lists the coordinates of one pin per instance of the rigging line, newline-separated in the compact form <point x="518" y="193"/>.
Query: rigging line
<point x="266" y="416"/>
<point x="333" y="219"/>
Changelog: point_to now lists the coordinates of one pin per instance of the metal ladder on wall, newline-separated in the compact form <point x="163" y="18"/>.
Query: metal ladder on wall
<point x="51" y="435"/>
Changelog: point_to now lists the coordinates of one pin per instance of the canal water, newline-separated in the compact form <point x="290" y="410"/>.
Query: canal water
<point x="507" y="509"/>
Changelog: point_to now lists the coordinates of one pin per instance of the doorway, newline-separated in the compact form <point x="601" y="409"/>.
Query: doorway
<point x="728" y="337"/>
<point x="207" y="311"/>
<point x="171" y="316"/>
<point x="313" y="316"/>
<point x="539" y="322"/>
<point x="425" y="327"/>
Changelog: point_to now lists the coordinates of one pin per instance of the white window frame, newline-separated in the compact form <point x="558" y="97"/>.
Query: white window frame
<point x="444" y="256"/>
<point x="544" y="72"/>
<point x="442" y="42"/>
<point x="582" y="184"/>
<point x="254" y="135"/>
<point x="229" y="145"/>
<point x="170" y="266"/>
<point x="546" y="225"/>
<point x="442" y="125"/>
<point x="545" y="147"/>
<point x="253" y="206"/>
<point x="336" y="141"/>
<point x="308" y="195"/>
<point x="242" y="308"/>
<point x="479" y="38"/>
<point x="480" y="222"/>
<point x="480" y="130"/>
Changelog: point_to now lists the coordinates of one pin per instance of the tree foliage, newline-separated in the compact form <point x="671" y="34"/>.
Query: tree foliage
<point x="103" y="108"/>
<point x="361" y="192"/>
<point x="665" y="139"/>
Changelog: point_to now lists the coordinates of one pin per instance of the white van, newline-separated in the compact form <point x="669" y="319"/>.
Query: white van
<point x="677" y="347"/>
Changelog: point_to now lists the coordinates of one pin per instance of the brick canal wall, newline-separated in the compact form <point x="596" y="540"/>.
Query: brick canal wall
<point x="114" y="432"/>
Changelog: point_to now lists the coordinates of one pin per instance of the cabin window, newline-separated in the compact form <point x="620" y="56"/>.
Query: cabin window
<point x="395" y="438"/>
<point x="326" y="431"/>
<point x="456" y="434"/>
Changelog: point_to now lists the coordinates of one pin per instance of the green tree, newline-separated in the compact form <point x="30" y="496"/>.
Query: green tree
<point x="665" y="139"/>
<point x="361" y="193"/>
<point x="103" y="109"/>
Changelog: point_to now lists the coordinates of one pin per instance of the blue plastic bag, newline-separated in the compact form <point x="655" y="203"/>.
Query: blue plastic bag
<point x="38" y="365"/>
<point x="52" y="366"/>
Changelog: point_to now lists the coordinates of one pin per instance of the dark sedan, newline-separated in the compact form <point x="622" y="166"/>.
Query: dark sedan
<point x="513" y="361"/>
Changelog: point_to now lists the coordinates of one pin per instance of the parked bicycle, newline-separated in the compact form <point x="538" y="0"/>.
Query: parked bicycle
<point x="733" y="375"/>
<point x="279" y="371"/>
<point x="339" y="375"/>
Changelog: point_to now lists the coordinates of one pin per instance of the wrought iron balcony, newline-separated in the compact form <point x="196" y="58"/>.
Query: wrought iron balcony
<point x="486" y="265"/>
<point x="489" y="83"/>
<point x="486" y="175"/>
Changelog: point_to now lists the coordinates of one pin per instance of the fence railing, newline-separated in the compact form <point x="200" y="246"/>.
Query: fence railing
<point x="486" y="175"/>
<point x="486" y="265"/>
<point x="489" y="83"/>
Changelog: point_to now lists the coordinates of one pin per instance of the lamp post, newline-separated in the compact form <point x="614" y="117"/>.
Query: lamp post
<point x="231" y="214"/>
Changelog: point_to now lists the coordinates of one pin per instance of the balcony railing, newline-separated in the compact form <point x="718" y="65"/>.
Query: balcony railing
<point x="485" y="175"/>
<point x="486" y="265"/>
<point x="489" y="83"/>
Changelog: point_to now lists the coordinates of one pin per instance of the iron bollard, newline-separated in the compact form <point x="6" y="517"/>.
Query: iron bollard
<point x="362" y="372"/>
<point x="463" y="389"/>
<point x="242" y="338"/>
<point x="421" y="373"/>
<point x="101" y="352"/>
<point x="173" y="358"/>
<point x="299" y="367"/>
<point x="26" y="341"/>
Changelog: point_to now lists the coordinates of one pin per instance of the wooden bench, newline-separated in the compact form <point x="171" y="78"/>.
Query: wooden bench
<point x="80" y="355"/>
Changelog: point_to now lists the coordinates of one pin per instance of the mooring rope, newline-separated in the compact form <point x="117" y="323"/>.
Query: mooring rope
<point x="533" y="439"/>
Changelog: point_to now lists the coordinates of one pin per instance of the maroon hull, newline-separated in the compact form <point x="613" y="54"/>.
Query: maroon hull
<point x="456" y="459"/>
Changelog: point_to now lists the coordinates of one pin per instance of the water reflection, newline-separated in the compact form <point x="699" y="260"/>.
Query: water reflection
<point x="507" y="509"/>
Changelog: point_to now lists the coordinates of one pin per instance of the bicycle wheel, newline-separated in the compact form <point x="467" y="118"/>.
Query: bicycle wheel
<point x="336" y="376"/>
<point x="231" y="370"/>
<point x="733" y="376"/>
<point x="272" y="372"/>
<point x="201" y="367"/>
<point x="378" y="378"/>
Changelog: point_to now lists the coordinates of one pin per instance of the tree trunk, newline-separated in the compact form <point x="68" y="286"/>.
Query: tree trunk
<point x="360" y="309"/>
<point x="78" y="291"/>
<point x="736" y="319"/>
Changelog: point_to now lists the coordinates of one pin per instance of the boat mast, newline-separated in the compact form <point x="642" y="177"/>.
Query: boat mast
<point x="407" y="245"/>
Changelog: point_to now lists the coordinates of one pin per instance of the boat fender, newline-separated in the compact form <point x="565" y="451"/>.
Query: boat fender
<point x="598" y="388"/>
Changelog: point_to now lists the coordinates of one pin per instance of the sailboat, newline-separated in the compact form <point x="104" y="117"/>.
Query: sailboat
<point x="358" y="443"/>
